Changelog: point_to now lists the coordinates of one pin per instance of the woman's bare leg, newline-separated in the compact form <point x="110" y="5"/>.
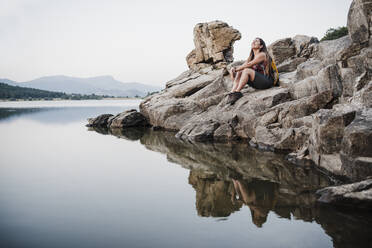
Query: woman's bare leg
<point x="232" y="75"/>
<point x="248" y="74"/>
<point x="236" y="187"/>
<point x="236" y="81"/>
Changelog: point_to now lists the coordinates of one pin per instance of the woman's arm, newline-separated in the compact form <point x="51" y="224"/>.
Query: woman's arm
<point x="258" y="59"/>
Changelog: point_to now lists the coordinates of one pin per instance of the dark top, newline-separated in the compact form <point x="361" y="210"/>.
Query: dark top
<point x="260" y="67"/>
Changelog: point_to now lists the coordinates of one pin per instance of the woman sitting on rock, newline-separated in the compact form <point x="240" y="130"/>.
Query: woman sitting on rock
<point x="256" y="71"/>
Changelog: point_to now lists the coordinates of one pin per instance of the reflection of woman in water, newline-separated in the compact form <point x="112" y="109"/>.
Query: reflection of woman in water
<point x="260" y="196"/>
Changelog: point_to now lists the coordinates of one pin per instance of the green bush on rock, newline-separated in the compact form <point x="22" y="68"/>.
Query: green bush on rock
<point x="333" y="33"/>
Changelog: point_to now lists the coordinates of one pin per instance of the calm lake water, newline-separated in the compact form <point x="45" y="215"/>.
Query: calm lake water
<point x="65" y="185"/>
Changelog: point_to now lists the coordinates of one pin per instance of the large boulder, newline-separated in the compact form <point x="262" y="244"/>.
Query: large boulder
<point x="304" y="45"/>
<point x="327" y="79"/>
<point x="329" y="50"/>
<point x="290" y="65"/>
<point x="289" y="50"/>
<point x="326" y="136"/>
<point x="366" y="96"/>
<point x="184" y="98"/>
<point x="312" y="58"/>
<point x="213" y="45"/>
<point x="129" y="118"/>
<point x="99" y="121"/>
<point x="282" y="49"/>
<point x="356" y="147"/>
<point x="201" y="131"/>
<point x="355" y="194"/>
<point x="359" y="25"/>
<point x="359" y="21"/>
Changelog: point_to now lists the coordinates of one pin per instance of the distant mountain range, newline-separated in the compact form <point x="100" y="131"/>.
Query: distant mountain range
<point x="10" y="92"/>
<point x="102" y="85"/>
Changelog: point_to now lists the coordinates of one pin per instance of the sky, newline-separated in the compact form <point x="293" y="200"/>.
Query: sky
<point x="141" y="41"/>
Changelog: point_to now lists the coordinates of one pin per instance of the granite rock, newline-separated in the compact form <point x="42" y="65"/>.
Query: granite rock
<point x="213" y="45"/>
<point x="356" y="194"/>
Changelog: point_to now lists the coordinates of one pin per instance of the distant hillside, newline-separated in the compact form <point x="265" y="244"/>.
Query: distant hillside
<point x="10" y="92"/>
<point x="103" y="85"/>
<point x="7" y="81"/>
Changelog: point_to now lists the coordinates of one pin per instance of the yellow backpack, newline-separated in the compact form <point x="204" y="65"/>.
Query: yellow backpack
<point x="276" y="76"/>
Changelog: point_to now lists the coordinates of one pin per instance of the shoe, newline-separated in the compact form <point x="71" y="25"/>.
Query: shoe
<point x="233" y="97"/>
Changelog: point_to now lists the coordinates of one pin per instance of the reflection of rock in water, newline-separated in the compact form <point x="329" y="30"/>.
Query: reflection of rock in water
<point x="347" y="228"/>
<point x="213" y="197"/>
<point x="131" y="133"/>
<point x="220" y="198"/>
<point x="232" y="160"/>
<point x="259" y="195"/>
<point x="266" y="183"/>
<point x="101" y="130"/>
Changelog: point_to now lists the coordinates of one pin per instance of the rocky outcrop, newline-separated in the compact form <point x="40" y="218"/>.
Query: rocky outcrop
<point x="359" y="21"/>
<point x="321" y="113"/>
<point x="326" y="136"/>
<point x="213" y="45"/>
<point x="356" y="147"/>
<point x="99" y="121"/>
<point x="357" y="194"/>
<point x="325" y="92"/>
<point x="126" y="119"/>
<point x="288" y="53"/>
<point x="129" y="118"/>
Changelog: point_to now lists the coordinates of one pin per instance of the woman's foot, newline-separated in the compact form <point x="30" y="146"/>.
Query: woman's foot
<point x="232" y="97"/>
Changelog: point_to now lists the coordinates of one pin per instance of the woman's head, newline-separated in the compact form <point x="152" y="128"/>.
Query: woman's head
<point x="258" y="43"/>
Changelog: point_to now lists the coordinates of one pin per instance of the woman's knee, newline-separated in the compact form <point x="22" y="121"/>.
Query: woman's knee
<point x="251" y="73"/>
<point x="238" y="75"/>
<point x="247" y="70"/>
